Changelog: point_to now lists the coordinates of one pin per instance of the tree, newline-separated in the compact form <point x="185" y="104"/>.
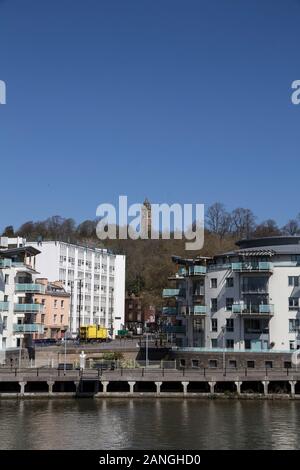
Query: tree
<point x="243" y="221"/>
<point x="8" y="231"/>
<point x="218" y="220"/>
<point x="267" y="228"/>
<point x="291" y="228"/>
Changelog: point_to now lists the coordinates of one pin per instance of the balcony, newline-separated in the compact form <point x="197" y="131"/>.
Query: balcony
<point x="30" y="308"/>
<point x="28" y="328"/>
<point x="197" y="270"/>
<point x="262" y="309"/>
<point x="4" y="306"/>
<point x="173" y="293"/>
<point x="174" y="329"/>
<point x="262" y="266"/>
<point x="5" y="263"/>
<point x="31" y="288"/>
<point x="169" y="311"/>
<point x="198" y="310"/>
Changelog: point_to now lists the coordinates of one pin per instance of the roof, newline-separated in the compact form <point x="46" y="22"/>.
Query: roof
<point x="27" y="250"/>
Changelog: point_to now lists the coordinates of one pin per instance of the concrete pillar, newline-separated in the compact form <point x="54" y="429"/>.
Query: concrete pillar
<point x="212" y="387"/>
<point x="266" y="386"/>
<point x="185" y="386"/>
<point x="77" y="386"/>
<point x="131" y="386"/>
<point x="292" y="384"/>
<point x="238" y="387"/>
<point x="158" y="385"/>
<point x="105" y="384"/>
<point x="50" y="385"/>
<point x="22" y="385"/>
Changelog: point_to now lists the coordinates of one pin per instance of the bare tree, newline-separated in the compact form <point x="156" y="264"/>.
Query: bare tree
<point x="243" y="222"/>
<point x="291" y="228"/>
<point x="218" y="220"/>
<point x="267" y="228"/>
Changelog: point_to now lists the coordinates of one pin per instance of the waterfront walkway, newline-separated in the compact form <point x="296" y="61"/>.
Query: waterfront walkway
<point x="149" y="381"/>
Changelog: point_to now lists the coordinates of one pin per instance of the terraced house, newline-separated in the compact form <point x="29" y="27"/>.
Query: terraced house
<point x="17" y="289"/>
<point x="247" y="299"/>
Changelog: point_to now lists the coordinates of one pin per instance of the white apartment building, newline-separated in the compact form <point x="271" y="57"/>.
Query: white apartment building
<point x="94" y="277"/>
<point x="250" y="297"/>
<point x="17" y="287"/>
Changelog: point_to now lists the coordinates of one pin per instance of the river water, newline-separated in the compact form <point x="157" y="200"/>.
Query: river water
<point x="149" y="424"/>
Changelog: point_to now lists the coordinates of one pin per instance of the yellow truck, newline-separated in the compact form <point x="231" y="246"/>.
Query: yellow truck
<point x="93" y="333"/>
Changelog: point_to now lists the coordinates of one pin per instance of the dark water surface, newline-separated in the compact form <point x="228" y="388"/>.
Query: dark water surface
<point x="149" y="424"/>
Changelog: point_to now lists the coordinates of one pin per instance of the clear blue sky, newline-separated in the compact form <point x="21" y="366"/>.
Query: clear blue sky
<point x="177" y="100"/>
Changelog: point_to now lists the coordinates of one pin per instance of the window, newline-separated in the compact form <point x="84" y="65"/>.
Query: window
<point x="182" y="362"/>
<point x="4" y="323"/>
<point x="292" y="345"/>
<point x="195" y="363"/>
<point x="6" y="279"/>
<point x="3" y="343"/>
<point x="247" y="344"/>
<point x="214" y="324"/>
<point x="62" y="303"/>
<point x="43" y="318"/>
<point x="269" y="364"/>
<point x="213" y="363"/>
<point x="294" y="325"/>
<point x="230" y="324"/>
<point x="232" y="363"/>
<point x="229" y="282"/>
<point x="229" y="302"/>
<point x="54" y="319"/>
<point x="296" y="259"/>
<point x="287" y="364"/>
<point x="214" y="283"/>
<point x="61" y="319"/>
<point x="293" y="303"/>
<point x="294" y="281"/>
<point x="229" y="344"/>
<point x="214" y="343"/>
<point x="43" y="301"/>
<point x="214" y="305"/>
<point x="55" y="303"/>
<point x="251" y="364"/>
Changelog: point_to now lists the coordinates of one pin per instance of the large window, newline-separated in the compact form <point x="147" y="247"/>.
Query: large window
<point x="213" y="283"/>
<point x="230" y="324"/>
<point x="293" y="303"/>
<point x="214" y="305"/>
<point x="254" y="284"/>
<point x="229" y="282"/>
<point x="294" y="325"/>
<point x="229" y="302"/>
<point x="294" y="281"/>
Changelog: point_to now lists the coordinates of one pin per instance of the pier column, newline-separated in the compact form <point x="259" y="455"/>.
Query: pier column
<point x="292" y="384"/>
<point x="238" y="387"/>
<point x="131" y="386"/>
<point x="212" y="387"/>
<point x="266" y="386"/>
<point x="158" y="385"/>
<point x="185" y="386"/>
<point x="50" y="385"/>
<point x="22" y="385"/>
<point x="77" y="384"/>
<point x="105" y="384"/>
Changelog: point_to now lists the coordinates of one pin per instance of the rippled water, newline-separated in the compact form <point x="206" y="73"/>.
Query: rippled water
<point x="149" y="424"/>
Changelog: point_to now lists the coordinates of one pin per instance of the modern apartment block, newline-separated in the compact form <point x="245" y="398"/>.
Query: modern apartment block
<point x="94" y="277"/>
<point x="250" y="298"/>
<point x="55" y="315"/>
<point x="17" y="288"/>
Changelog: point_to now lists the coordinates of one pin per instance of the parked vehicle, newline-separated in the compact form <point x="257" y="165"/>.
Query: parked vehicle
<point x="94" y="333"/>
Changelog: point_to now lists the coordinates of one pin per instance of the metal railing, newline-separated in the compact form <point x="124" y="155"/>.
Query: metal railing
<point x="262" y="266"/>
<point x="28" y="328"/>
<point x="34" y="288"/>
<point x="4" y="306"/>
<point x="34" y="308"/>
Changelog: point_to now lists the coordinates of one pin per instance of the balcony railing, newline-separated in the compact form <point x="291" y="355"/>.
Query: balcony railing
<point x="262" y="266"/>
<point x="5" y="263"/>
<point x="173" y="293"/>
<point x="31" y="288"/>
<point x="197" y="270"/>
<point x="199" y="310"/>
<point x="174" y="329"/>
<point x="28" y="328"/>
<point x="4" y="306"/>
<point x="32" y="308"/>
<point x="169" y="311"/>
<point x="262" y="309"/>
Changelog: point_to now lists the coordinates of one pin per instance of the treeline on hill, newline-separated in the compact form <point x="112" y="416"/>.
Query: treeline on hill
<point x="149" y="261"/>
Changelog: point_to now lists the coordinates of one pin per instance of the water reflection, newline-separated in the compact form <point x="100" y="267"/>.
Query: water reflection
<point x="147" y="424"/>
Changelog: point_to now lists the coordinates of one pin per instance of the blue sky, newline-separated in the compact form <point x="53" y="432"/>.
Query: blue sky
<point x="177" y="100"/>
